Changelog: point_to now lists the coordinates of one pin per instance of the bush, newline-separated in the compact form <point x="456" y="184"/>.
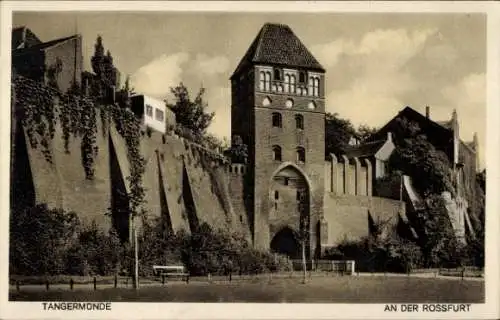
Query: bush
<point x="52" y="242"/>
<point x="381" y="255"/>
<point x="39" y="239"/>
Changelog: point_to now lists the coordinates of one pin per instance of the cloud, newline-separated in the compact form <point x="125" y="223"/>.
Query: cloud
<point x="390" y="45"/>
<point x="156" y="77"/>
<point x="159" y="75"/>
<point x="210" y="66"/>
<point x="219" y="101"/>
<point x="368" y="74"/>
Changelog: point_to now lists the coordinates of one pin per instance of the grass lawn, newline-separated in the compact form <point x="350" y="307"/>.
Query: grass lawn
<point x="376" y="289"/>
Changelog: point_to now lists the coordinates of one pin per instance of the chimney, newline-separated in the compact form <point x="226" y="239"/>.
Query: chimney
<point x="427" y="112"/>
<point x="389" y="136"/>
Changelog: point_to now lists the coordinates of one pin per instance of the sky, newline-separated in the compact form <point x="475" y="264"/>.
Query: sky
<point x="376" y="64"/>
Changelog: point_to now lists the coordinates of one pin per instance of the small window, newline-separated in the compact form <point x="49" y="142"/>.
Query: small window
<point x="159" y="115"/>
<point x="275" y="206"/>
<point x="277" y="75"/>
<point x="277" y="120"/>
<point x="299" y="122"/>
<point x="276" y="195"/>
<point x="301" y="154"/>
<point x="302" y="77"/>
<point x="277" y="153"/>
<point x="286" y="181"/>
<point x="299" y="195"/>
<point x="149" y="110"/>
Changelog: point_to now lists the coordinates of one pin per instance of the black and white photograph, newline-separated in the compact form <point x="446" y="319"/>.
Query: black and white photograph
<point x="247" y="156"/>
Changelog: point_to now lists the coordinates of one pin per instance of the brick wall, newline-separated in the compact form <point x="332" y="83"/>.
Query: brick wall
<point x="62" y="184"/>
<point x="347" y="216"/>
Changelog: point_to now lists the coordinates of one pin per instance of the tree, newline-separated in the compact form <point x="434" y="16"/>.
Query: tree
<point x="97" y="60"/>
<point x="418" y="158"/>
<point x="125" y="93"/>
<point x="364" y="132"/>
<point x="338" y="132"/>
<point x="106" y="75"/>
<point x="238" y="151"/>
<point x="191" y="114"/>
<point x="303" y="234"/>
<point x="215" y="143"/>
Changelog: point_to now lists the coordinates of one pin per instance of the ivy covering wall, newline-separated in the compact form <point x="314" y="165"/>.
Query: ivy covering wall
<point x="40" y="108"/>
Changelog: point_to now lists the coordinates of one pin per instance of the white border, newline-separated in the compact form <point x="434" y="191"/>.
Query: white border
<point x="489" y="310"/>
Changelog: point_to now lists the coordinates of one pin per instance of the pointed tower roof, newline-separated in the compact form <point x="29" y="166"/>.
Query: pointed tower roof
<point x="276" y="44"/>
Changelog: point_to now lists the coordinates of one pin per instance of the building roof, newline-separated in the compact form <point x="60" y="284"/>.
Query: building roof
<point x="366" y="149"/>
<point x="23" y="37"/>
<point x="43" y="45"/>
<point x="276" y="44"/>
<point x="437" y="128"/>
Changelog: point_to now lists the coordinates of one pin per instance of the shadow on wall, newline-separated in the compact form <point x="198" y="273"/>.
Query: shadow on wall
<point x="23" y="190"/>
<point x="187" y="195"/>
<point x="119" y="199"/>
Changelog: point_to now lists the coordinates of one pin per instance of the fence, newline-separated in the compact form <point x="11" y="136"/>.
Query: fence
<point x="338" y="266"/>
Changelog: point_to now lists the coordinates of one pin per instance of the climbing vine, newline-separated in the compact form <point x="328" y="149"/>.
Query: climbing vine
<point x="35" y="106"/>
<point x="128" y="126"/>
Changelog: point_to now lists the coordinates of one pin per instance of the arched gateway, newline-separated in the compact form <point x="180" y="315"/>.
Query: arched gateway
<point x="289" y="216"/>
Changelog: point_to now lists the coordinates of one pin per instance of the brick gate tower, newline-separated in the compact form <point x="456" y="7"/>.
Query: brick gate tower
<point x="278" y="110"/>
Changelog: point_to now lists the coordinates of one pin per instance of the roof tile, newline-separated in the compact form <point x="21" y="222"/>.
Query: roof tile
<point x="276" y="44"/>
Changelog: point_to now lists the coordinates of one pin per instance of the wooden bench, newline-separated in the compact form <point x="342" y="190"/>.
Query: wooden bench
<point x="171" y="271"/>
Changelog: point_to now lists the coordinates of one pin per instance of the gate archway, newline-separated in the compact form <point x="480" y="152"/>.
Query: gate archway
<point x="290" y="206"/>
<point x="285" y="242"/>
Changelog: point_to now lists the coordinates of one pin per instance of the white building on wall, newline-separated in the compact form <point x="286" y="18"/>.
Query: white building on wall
<point x="153" y="112"/>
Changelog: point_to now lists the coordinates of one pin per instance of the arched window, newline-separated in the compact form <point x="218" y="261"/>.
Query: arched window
<point x="262" y="81"/>
<point x="276" y="195"/>
<point x="277" y="75"/>
<point x="277" y="120"/>
<point x="299" y="121"/>
<point x="301" y="154"/>
<point x="315" y="87"/>
<point x="277" y="153"/>
<point x="287" y="83"/>
<point x="265" y="81"/>
<point x="292" y="83"/>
